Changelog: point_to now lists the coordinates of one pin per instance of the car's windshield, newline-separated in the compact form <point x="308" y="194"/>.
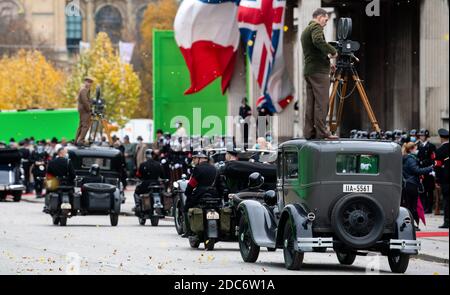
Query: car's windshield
<point x="104" y="163"/>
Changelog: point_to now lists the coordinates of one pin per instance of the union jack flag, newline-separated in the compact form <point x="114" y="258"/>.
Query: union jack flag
<point x="261" y="23"/>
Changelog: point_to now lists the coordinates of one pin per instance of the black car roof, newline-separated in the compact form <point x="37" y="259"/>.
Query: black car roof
<point x="349" y="145"/>
<point x="9" y="156"/>
<point x="103" y="152"/>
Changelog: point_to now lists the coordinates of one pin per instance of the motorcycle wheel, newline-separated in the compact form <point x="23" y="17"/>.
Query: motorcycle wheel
<point x="154" y="221"/>
<point x="209" y="244"/>
<point x="194" y="242"/>
<point x="114" y="218"/>
<point x="178" y="216"/>
<point x="142" y="221"/>
<point x="63" y="221"/>
<point x="55" y="219"/>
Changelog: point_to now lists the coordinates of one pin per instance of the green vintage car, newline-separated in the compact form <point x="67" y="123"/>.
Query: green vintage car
<point x="342" y="195"/>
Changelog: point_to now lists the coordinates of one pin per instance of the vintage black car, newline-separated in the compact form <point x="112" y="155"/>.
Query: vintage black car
<point x="11" y="174"/>
<point x="343" y="195"/>
<point x="91" y="195"/>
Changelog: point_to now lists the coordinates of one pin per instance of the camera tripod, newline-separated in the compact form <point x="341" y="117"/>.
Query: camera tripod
<point x="340" y="79"/>
<point x="99" y="125"/>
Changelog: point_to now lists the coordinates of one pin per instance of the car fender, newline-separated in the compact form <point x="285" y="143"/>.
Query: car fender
<point x="405" y="231"/>
<point x="262" y="224"/>
<point x="299" y="220"/>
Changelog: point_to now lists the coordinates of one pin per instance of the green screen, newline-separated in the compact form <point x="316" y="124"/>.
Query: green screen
<point x="41" y="124"/>
<point x="170" y="81"/>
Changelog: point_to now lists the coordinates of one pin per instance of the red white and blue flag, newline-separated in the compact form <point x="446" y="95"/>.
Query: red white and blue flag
<point x="261" y="23"/>
<point x="208" y="35"/>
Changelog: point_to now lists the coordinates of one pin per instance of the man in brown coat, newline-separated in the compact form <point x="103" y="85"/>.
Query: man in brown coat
<point x="317" y="53"/>
<point x="84" y="109"/>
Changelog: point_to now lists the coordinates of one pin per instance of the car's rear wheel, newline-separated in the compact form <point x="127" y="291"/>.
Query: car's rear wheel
<point x="114" y="218"/>
<point x="249" y="250"/>
<point x="398" y="262"/>
<point x="346" y="258"/>
<point x="293" y="259"/>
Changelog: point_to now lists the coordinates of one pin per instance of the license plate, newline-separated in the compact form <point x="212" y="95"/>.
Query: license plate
<point x="212" y="216"/>
<point x="358" y="188"/>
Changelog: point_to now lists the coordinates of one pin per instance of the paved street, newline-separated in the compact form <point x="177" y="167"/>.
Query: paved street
<point x="29" y="244"/>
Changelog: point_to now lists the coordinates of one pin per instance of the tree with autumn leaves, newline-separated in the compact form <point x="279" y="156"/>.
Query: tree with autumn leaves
<point x="159" y="15"/>
<point x="29" y="81"/>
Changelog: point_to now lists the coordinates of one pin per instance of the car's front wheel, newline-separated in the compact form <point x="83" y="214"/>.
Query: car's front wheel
<point x="346" y="258"/>
<point x="293" y="259"/>
<point x="398" y="262"/>
<point x="249" y="250"/>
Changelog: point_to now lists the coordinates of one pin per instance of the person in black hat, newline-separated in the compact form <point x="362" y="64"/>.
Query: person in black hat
<point x="202" y="180"/>
<point x="442" y="166"/>
<point x="426" y="157"/>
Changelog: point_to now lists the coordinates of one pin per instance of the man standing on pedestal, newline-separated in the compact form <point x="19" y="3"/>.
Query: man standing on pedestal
<point x="85" y="110"/>
<point x="317" y="54"/>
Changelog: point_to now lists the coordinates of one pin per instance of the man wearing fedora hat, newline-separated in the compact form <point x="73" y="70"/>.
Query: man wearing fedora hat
<point x="84" y="110"/>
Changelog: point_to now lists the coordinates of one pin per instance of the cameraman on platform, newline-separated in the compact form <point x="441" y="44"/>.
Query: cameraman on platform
<point x="84" y="109"/>
<point x="317" y="54"/>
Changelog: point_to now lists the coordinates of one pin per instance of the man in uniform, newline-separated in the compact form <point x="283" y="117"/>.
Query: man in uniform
<point x="442" y="166"/>
<point x="202" y="181"/>
<point x="84" y="110"/>
<point x="61" y="167"/>
<point x="317" y="54"/>
<point x="426" y="155"/>
<point x="225" y="185"/>
<point x="149" y="172"/>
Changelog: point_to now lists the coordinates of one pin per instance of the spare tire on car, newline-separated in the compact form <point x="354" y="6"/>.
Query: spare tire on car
<point x="99" y="188"/>
<point x="358" y="220"/>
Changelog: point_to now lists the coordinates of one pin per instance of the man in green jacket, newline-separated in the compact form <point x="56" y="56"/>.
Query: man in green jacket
<point x="317" y="54"/>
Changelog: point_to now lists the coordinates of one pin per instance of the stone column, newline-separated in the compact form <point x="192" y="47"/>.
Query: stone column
<point x="90" y="21"/>
<point x="434" y="59"/>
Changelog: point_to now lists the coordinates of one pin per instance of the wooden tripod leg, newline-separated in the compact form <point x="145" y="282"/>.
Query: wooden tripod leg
<point x="366" y="103"/>
<point x="107" y="130"/>
<point x="341" y="102"/>
<point x="333" y="126"/>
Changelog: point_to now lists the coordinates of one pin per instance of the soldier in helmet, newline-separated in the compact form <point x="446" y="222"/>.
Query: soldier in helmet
<point x="413" y="135"/>
<point x="426" y="155"/>
<point x="202" y="180"/>
<point x="388" y="135"/>
<point x="255" y="182"/>
<point x="149" y="172"/>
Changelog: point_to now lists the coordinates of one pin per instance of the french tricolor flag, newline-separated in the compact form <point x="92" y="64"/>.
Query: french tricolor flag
<point x="208" y="35"/>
